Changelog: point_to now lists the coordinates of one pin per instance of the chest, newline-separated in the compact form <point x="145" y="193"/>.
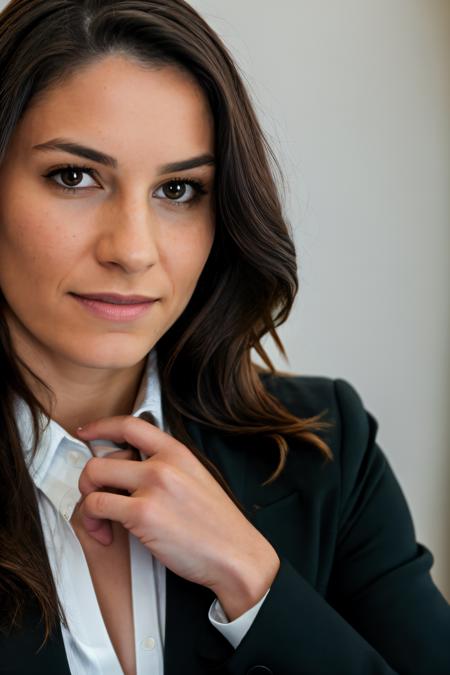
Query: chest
<point x="110" y="571"/>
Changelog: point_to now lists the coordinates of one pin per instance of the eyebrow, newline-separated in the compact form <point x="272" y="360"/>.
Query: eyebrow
<point x="96" y="156"/>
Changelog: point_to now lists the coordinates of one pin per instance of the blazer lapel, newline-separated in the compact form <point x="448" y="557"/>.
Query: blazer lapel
<point x="190" y="638"/>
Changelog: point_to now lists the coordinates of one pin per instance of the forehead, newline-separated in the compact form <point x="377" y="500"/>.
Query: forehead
<point x="133" y="111"/>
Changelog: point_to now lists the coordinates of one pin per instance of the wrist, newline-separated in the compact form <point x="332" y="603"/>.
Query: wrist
<point x="244" y="584"/>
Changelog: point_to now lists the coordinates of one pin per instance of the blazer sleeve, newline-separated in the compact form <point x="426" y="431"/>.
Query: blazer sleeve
<point x="382" y="613"/>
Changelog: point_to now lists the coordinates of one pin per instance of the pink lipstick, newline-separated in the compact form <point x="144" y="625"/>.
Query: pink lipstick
<point x="113" y="306"/>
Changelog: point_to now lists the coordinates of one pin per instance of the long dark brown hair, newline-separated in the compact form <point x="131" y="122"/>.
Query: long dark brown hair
<point x="247" y="287"/>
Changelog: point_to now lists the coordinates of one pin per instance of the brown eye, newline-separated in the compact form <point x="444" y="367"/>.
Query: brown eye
<point x="174" y="190"/>
<point x="71" y="177"/>
<point x="181" y="191"/>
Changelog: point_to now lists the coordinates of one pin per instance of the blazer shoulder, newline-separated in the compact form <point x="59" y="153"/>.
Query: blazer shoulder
<point x="303" y="395"/>
<point x="308" y="394"/>
<point x="353" y="427"/>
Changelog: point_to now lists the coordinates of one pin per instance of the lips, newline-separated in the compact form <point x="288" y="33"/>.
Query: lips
<point x="113" y="307"/>
<point x="115" y="298"/>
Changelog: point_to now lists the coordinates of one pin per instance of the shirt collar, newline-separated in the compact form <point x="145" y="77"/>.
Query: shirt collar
<point x="60" y="457"/>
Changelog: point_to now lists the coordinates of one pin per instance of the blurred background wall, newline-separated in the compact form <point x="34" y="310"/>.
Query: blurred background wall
<point x="355" y="98"/>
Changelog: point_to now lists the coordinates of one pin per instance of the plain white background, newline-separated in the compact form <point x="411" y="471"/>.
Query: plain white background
<point x="355" y="98"/>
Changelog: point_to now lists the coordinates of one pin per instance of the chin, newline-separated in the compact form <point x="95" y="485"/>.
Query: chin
<point x="106" y="353"/>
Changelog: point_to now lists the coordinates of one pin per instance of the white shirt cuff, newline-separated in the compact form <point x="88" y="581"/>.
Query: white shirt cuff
<point x="235" y="630"/>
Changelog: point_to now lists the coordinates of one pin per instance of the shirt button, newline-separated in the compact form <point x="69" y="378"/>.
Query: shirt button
<point x="69" y="510"/>
<point x="68" y="503"/>
<point x="148" y="643"/>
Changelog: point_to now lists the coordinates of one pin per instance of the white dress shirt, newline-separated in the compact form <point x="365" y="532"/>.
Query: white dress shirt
<point x="55" y="471"/>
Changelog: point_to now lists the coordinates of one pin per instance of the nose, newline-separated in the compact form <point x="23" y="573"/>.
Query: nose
<point x="129" y="236"/>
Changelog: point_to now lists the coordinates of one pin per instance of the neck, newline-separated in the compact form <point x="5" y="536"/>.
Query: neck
<point x="83" y="395"/>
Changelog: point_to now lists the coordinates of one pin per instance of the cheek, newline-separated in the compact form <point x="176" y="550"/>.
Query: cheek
<point x="184" y="258"/>
<point x="32" y="252"/>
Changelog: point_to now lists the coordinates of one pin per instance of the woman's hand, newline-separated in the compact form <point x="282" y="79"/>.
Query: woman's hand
<point x="177" y="509"/>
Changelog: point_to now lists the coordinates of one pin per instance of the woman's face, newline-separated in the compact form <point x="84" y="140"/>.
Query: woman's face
<point x="129" y="226"/>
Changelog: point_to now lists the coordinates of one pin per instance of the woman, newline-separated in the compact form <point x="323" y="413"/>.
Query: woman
<point x="230" y="520"/>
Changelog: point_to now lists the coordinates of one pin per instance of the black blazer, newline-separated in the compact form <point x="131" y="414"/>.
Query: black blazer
<point x="353" y="595"/>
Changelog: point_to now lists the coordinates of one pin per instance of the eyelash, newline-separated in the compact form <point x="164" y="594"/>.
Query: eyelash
<point x="198" y="185"/>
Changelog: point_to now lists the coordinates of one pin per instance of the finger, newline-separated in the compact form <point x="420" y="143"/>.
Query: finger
<point x="99" y="507"/>
<point x="101" y="472"/>
<point x="98" y="529"/>
<point x="107" y="451"/>
<point x="137" y="432"/>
